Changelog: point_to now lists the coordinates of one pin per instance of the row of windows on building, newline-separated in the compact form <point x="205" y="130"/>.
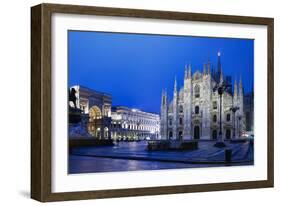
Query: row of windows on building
<point x="141" y="121"/>
<point x="130" y="134"/>
<point x="138" y="119"/>
<point x="215" y="106"/>
<point x="197" y="91"/>
<point x="228" y="118"/>
<point x="134" y="127"/>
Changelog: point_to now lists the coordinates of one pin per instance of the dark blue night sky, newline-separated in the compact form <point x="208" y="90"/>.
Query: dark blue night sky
<point x="134" y="68"/>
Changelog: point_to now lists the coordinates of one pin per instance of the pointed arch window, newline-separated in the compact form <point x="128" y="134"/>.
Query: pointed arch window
<point x="228" y="117"/>
<point x="215" y="105"/>
<point x="170" y="121"/>
<point x="181" y="109"/>
<point x="215" y="118"/>
<point x="197" y="91"/>
<point x="180" y="121"/>
<point x="196" y="109"/>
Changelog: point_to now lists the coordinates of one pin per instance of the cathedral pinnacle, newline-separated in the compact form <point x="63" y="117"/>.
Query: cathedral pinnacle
<point x="219" y="71"/>
<point x="164" y="97"/>
<point x="240" y="82"/>
<point x="209" y="66"/>
<point x="240" y="87"/>
<point x="204" y="69"/>
<point x="189" y="71"/>
<point x="235" y="88"/>
<point x="221" y="76"/>
<point x="175" y="85"/>
<point x="185" y="71"/>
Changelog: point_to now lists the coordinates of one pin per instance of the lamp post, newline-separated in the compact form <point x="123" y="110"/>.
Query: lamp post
<point x="239" y="121"/>
<point x="220" y="88"/>
<point x="234" y="110"/>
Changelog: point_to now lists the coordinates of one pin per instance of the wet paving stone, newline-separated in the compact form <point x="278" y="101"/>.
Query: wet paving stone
<point x="132" y="156"/>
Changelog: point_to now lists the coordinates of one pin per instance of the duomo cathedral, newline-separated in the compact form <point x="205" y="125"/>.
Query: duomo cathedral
<point x="194" y="110"/>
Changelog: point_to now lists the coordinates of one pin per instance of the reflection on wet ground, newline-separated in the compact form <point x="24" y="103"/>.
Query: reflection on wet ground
<point x="132" y="156"/>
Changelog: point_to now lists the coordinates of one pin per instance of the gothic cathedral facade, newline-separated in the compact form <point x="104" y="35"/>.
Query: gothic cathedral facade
<point x="194" y="111"/>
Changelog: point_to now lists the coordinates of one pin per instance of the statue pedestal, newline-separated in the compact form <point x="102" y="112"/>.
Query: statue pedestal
<point x="77" y="124"/>
<point x="74" y="115"/>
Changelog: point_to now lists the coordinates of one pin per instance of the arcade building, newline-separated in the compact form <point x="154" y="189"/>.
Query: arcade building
<point x="103" y="121"/>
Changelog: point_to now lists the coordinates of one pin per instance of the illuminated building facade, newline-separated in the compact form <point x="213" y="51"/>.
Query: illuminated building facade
<point x="193" y="112"/>
<point x="134" y="124"/>
<point x="96" y="109"/>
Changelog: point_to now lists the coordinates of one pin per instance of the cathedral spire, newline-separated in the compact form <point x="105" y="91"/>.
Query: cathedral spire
<point x="175" y="85"/>
<point x="221" y="76"/>
<point x="204" y="69"/>
<point x="235" y="88"/>
<point x="163" y="98"/>
<point x="189" y="71"/>
<point x="240" y="86"/>
<point x="219" y="69"/>
<point x="240" y="82"/>
<point x="209" y="66"/>
<point x="219" y="61"/>
<point x="185" y="71"/>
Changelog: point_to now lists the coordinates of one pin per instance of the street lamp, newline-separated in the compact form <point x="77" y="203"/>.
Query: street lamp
<point x="239" y="128"/>
<point x="234" y="110"/>
<point x="220" y="88"/>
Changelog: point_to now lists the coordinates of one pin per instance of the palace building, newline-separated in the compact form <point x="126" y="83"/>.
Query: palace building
<point x="193" y="112"/>
<point x="134" y="124"/>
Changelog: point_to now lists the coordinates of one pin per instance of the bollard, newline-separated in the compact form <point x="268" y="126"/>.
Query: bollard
<point x="228" y="155"/>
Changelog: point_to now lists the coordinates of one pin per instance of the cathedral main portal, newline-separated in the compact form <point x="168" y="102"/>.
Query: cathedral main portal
<point x="196" y="132"/>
